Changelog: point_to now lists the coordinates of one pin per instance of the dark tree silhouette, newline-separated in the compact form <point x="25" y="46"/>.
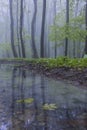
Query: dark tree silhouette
<point x="85" y="50"/>
<point x="33" y="25"/>
<point x="43" y="29"/>
<point x="67" y="23"/>
<point x="18" y="38"/>
<point x="12" y="28"/>
<point x="21" y="29"/>
<point x="55" y="1"/>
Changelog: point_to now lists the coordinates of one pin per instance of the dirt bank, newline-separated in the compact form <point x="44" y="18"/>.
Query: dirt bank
<point x="77" y="77"/>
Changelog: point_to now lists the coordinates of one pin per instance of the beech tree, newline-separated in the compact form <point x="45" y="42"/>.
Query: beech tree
<point x="85" y="51"/>
<point x="12" y="28"/>
<point x="33" y="26"/>
<point x="18" y="38"/>
<point x="43" y="29"/>
<point x="55" y="2"/>
<point x="67" y="23"/>
<point x="21" y="28"/>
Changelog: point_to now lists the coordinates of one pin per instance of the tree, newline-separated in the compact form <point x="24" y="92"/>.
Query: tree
<point x="67" y="23"/>
<point x="21" y="29"/>
<point x="12" y="29"/>
<point x="85" y="50"/>
<point x="43" y="29"/>
<point x="33" y="25"/>
<point x="55" y="1"/>
<point x="17" y="14"/>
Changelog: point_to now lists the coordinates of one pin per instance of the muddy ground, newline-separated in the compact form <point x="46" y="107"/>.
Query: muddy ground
<point x="77" y="77"/>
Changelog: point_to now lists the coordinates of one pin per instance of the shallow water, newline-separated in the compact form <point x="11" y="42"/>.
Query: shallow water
<point x="18" y="84"/>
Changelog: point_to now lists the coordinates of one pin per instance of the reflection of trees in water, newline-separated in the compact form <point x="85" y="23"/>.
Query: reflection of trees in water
<point x="70" y="118"/>
<point x="18" y="76"/>
<point x="35" y="102"/>
<point x="44" y="101"/>
<point x="13" y="94"/>
<point x="40" y="114"/>
<point x="62" y="118"/>
<point x="39" y="119"/>
<point x="20" y="111"/>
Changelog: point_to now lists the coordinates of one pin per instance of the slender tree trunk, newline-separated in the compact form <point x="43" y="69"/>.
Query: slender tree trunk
<point x="21" y="29"/>
<point x="33" y="26"/>
<point x="55" y="1"/>
<point x="18" y="30"/>
<point x="45" y="43"/>
<point x="67" y="23"/>
<point x="28" y="20"/>
<point x="43" y="29"/>
<point x="74" y="47"/>
<point x="12" y="29"/>
<point x="85" y="50"/>
<point x="74" y="43"/>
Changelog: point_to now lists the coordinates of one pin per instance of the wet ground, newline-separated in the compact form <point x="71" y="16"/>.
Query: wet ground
<point x="75" y="76"/>
<point x="24" y="93"/>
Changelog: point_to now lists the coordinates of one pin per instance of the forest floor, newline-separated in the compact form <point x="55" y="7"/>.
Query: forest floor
<point x="75" y="76"/>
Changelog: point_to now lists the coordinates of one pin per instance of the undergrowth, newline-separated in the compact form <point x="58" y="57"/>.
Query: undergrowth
<point x="53" y="63"/>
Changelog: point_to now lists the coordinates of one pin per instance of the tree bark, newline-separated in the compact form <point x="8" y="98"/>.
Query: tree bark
<point x="43" y="29"/>
<point x="18" y="39"/>
<point x="67" y="23"/>
<point x="55" y="49"/>
<point x="85" y="50"/>
<point x="21" y="29"/>
<point x="33" y="26"/>
<point x="12" y="29"/>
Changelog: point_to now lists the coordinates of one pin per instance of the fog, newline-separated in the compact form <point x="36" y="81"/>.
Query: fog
<point x="77" y="8"/>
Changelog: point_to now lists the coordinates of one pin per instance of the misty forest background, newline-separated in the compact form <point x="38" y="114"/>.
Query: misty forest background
<point x="43" y="28"/>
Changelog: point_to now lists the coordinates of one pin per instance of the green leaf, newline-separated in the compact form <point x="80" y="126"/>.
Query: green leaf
<point x="49" y="106"/>
<point x="28" y="100"/>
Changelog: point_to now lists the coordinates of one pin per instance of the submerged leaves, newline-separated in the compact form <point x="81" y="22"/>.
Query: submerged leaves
<point x="28" y="100"/>
<point x="49" y="106"/>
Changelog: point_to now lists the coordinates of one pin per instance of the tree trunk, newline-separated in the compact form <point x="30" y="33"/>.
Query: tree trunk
<point x="67" y="23"/>
<point x="21" y="29"/>
<point x="43" y="29"/>
<point x="12" y="28"/>
<point x="33" y="26"/>
<point x="55" y="1"/>
<point x="74" y="43"/>
<point x="18" y="40"/>
<point x="85" y="50"/>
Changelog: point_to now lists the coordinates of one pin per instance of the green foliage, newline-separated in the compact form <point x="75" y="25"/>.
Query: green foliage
<point x="26" y="35"/>
<point x="73" y="33"/>
<point x="77" y="21"/>
<point x="28" y="100"/>
<point x="5" y="46"/>
<point x="60" y="17"/>
<point x="54" y="63"/>
<point x="49" y="106"/>
<point x="62" y="62"/>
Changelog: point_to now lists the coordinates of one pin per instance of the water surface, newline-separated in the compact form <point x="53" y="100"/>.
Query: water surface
<point x="18" y="85"/>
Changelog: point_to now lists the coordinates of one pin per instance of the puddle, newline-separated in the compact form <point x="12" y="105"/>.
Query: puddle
<point x="24" y="94"/>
